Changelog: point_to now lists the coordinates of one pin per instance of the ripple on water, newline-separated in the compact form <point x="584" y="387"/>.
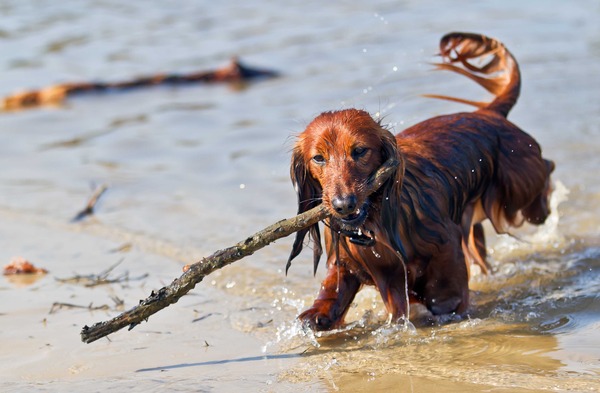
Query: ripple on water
<point x="524" y="326"/>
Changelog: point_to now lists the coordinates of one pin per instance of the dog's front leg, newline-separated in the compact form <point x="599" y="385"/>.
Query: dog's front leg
<point x="337" y="292"/>
<point x="447" y="281"/>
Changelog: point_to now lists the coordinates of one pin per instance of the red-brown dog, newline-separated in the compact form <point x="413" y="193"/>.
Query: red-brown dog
<point x="415" y="238"/>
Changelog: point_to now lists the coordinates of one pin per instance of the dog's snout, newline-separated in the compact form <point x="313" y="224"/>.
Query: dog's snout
<point x="345" y="204"/>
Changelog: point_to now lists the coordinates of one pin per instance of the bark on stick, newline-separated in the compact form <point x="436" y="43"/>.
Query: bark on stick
<point x="196" y="272"/>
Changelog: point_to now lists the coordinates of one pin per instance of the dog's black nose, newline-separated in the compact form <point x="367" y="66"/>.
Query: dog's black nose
<point x="344" y="205"/>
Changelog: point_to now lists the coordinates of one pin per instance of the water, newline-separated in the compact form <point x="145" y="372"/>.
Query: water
<point x="194" y="169"/>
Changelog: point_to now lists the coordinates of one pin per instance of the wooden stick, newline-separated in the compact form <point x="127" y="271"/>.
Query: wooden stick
<point x="197" y="271"/>
<point x="89" y="208"/>
<point x="56" y="94"/>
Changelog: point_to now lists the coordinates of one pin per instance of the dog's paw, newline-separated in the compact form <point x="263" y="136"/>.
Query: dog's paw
<point x="445" y="306"/>
<point x="420" y="316"/>
<point x="317" y="320"/>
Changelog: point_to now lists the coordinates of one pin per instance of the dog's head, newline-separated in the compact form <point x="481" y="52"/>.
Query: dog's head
<point x="332" y="163"/>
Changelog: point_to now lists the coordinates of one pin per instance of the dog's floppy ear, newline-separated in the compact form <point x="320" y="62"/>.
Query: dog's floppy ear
<point x="309" y="195"/>
<point x="389" y="148"/>
<point x="390" y="201"/>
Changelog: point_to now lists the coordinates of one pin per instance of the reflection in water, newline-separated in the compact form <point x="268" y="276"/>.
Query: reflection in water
<point x="24" y="280"/>
<point x="522" y="336"/>
<point x="480" y="352"/>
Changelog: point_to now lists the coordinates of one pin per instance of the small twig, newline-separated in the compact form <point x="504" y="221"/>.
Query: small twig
<point x="59" y="305"/>
<point x="89" y="208"/>
<point x="119" y="303"/>
<point x="197" y="271"/>
<point x="202" y="317"/>
<point x="104" y="274"/>
<point x="92" y="280"/>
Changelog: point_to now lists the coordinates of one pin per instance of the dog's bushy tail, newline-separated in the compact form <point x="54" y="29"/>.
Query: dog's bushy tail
<point x="487" y="62"/>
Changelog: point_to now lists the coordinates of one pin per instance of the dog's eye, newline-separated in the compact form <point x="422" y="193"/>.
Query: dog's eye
<point x="319" y="159"/>
<point x="358" y="152"/>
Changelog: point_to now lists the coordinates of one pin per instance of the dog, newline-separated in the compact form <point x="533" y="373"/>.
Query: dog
<point x="416" y="237"/>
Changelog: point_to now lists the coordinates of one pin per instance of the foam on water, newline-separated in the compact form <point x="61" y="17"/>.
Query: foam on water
<point x="537" y="238"/>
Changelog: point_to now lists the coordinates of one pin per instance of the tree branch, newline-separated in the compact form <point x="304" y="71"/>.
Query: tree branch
<point x="197" y="271"/>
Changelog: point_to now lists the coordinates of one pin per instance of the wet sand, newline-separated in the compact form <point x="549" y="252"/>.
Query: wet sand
<point x="231" y="333"/>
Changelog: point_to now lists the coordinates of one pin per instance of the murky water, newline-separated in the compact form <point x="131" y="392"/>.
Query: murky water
<point x="197" y="168"/>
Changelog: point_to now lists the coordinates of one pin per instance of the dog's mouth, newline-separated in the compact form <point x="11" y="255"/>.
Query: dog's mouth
<point x="355" y="219"/>
<point x="352" y="227"/>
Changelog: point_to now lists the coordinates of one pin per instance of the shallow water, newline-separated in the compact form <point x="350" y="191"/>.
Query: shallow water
<point x="194" y="169"/>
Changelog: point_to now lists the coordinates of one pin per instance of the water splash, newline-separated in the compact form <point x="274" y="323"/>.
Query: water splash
<point x="291" y="336"/>
<point x="393" y="331"/>
<point x="543" y="236"/>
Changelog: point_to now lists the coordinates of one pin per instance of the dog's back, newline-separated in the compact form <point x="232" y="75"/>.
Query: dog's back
<point x="487" y="166"/>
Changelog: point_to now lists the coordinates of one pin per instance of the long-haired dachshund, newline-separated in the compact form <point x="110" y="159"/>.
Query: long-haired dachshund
<point x="416" y="237"/>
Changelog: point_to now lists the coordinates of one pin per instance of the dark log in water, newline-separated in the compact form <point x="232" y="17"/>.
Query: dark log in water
<point x="234" y="72"/>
